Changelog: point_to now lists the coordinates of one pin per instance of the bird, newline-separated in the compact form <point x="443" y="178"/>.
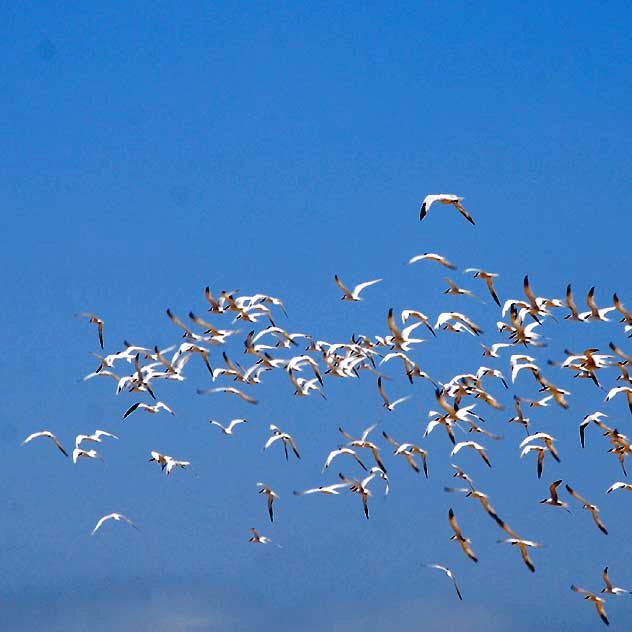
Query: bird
<point x="458" y="537"/>
<point x="113" y="516"/>
<point x="95" y="437"/>
<point x="444" y="198"/>
<point x="449" y="573"/>
<point x="541" y="450"/>
<point x="285" y="438"/>
<point x="471" y="444"/>
<point x="354" y="295"/>
<point x="323" y="489"/>
<point x="553" y="500"/>
<point x="161" y="459"/>
<point x="88" y="454"/>
<point x="271" y="494"/>
<point x="260" y="539"/>
<point x="593" y="509"/>
<point x="334" y="453"/>
<point x="619" y="485"/>
<point x="94" y="320"/>
<point x="230" y="390"/>
<point x="610" y="589"/>
<point x="228" y="430"/>
<point x="49" y="435"/>
<point x="598" y="601"/>
<point x="388" y="404"/>
<point x="488" y="277"/>
<point x="523" y="545"/>
<point x="621" y="389"/>
<point x="157" y="407"/>
<point x="433" y="256"/>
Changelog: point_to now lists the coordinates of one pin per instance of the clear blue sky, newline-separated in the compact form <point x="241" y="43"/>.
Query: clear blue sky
<point x="151" y="149"/>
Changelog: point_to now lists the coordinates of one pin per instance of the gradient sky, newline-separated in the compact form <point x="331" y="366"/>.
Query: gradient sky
<point x="151" y="149"/>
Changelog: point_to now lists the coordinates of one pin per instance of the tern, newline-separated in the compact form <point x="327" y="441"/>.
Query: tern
<point x="260" y="539"/>
<point x="619" y="485"/>
<point x="432" y="256"/>
<point x="449" y="573"/>
<point x="471" y="444"/>
<point x="94" y="320"/>
<point x="230" y="390"/>
<point x="114" y="516"/>
<point x="95" y="437"/>
<point x="48" y="435"/>
<point x="88" y="454"/>
<point x="323" y="489"/>
<point x="554" y="501"/>
<point x="593" y="509"/>
<point x="598" y="601"/>
<point x="444" y="198"/>
<point x="285" y="438"/>
<point x="408" y="450"/>
<point x="488" y="277"/>
<point x="271" y="494"/>
<point x="157" y="407"/>
<point x="388" y="404"/>
<point x="522" y="545"/>
<point x="334" y="453"/>
<point x="355" y="294"/>
<point x="228" y="430"/>
<point x="458" y="537"/>
<point x="610" y="589"/>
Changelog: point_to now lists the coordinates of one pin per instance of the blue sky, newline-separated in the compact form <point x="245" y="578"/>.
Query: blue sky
<point x="150" y="150"/>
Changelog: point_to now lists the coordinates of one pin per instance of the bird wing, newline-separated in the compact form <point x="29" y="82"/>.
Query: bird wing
<point x="358" y="288"/>
<point x="340" y="284"/>
<point x="463" y="212"/>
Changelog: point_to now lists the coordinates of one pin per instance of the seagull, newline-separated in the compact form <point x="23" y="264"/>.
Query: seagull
<point x="334" y="453"/>
<point x="260" y="539"/>
<point x="355" y="294"/>
<point x="114" y="516"/>
<point x="522" y="545"/>
<point x="449" y="573"/>
<point x="610" y="589"/>
<point x="594" y="510"/>
<point x="271" y="494"/>
<point x="387" y="404"/>
<point x="95" y="320"/>
<point x="598" y="601"/>
<point x="95" y="437"/>
<point x="444" y="198"/>
<point x="227" y="389"/>
<point x="157" y="407"/>
<point x="228" y="430"/>
<point x="49" y="435"/>
<point x="432" y="256"/>
<point x="285" y="438"/>
<point x="458" y="537"/>
<point x="554" y="501"/>
<point x="88" y="454"/>
<point x="471" y="444"/>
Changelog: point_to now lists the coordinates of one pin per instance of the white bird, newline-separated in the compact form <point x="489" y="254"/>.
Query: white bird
<point x="94" y="320"/>
<point x="114" y="516"/>
<point x="173" y="463"/>
<point x="355" y="294"/>
<point x="228" y="430"/>
<point x="230" y="390"/>
<point x="285" y="438"/>
<point x="334" y="453"/>
<point x="621" y="389"/>
<point x="157" y="407"/>
<point x="388" y="404"/>
<point x="48" y="435"/>
<point x="554" y="501"/>
<point x="610" y="589"/>
<point x="522" y="545"/>
<point x="260" y="539"/>
<point x="598" y="601"/>
<point x="444" y="198"/>
<point x="619" y="485"/>
<point x="432" y="256"/>
<point x="271" y="494"/>
<point x="449" y="573"/>
<point x="471" y="444"/>
<point x="323" y="489"/>
<point x="88" y="454"/>
<point x="95" y="437"/>
<point x="488" y="278"/>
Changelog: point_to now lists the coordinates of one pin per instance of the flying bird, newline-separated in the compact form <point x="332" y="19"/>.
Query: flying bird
<point x="449" y="573"/>
<point x="354" y="295"/>
<point x="444" y="198"/>
<point x="48" y="435"/>
<point x="114" y="516"/>
<point x="94" y="320"/>
<point x="228" y="430"/>
<point x="598" y="601"/>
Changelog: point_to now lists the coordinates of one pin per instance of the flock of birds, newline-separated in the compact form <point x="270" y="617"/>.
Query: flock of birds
<point x="308" y="362"/>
